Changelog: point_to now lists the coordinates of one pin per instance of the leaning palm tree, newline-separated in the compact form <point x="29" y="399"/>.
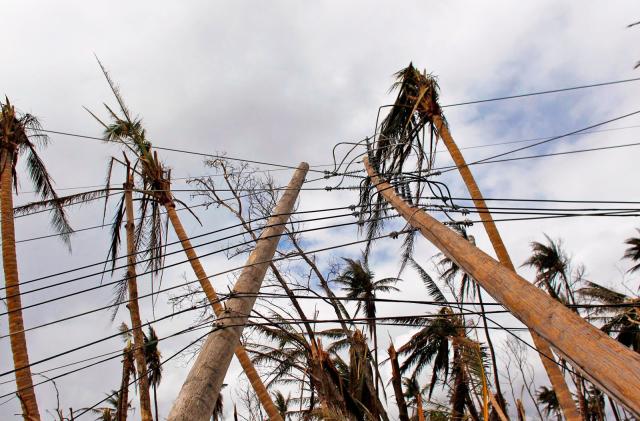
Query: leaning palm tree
<point x="357" y="279"/>
<point x="20" y="136"/>
<point x="408" y="137"/>
<point x="153" y="183"/>
<point x="154" y="364"/>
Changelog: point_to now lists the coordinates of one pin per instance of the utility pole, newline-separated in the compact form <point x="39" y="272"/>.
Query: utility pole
<point x="201" y="389"/>
<point x="598" y="357"/>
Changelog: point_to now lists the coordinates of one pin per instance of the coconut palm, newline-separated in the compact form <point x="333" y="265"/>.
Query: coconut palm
<point x="20" y="136"/>
<point x="552" y="266"/>
<point x="549" y="401"/>
<point x="153" y="183"/>
<point x="357" y="279"/>
<point x="154" y="364"/>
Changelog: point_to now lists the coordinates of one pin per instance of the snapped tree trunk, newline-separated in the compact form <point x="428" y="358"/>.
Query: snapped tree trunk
<point x="202" y="386"/>
<point x="247" y="366"/>
<point x="134" y="309"/>
<point x="396" y="381"/>
<point x="558" y="382"/>
<point x="599" y="357"/>
<point x="24" y="382"/>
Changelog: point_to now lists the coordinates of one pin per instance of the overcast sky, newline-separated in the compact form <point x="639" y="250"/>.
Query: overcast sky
<point x="284" y="81"/>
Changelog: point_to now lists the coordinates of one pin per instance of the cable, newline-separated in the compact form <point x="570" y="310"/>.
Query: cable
<point x="171" y="253"/>
<point x="230" y="158"/>
<point x="551" y="91"/>
<point x="238" y="225"/>
<point x="592" y="126"/>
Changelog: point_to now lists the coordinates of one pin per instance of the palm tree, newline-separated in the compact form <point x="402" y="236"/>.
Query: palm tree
<point x="282" y="403"/>
<point x="551" y="265"/>
<point x="154" y="185"/>
<point x="439" y="344"/>
<point x="154" y="364"/>
<point x="549" y="401"/>
<point x="357" y="279"/>
<point x="109" y="412"/>
<point x="633" y="252"/>
<point x="415" y="121"/>
<point x="19" y="135"/>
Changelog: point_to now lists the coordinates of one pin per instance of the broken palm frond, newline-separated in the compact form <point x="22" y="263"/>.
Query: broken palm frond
<point x="407" y="137"/>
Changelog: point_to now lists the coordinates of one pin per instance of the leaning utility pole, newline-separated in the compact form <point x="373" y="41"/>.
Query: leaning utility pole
<point x="600" y="358"/>
<point x="201" y="389"/>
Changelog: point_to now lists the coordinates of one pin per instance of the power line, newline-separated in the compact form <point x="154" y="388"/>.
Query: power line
<point x="545" y="92"/>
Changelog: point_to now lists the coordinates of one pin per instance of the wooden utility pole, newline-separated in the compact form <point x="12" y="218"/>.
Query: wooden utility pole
<point x="567" y="405"/>
<point x="201" y="389"/>
<point x="132" y="305"/>
<point x="600" y="358"/>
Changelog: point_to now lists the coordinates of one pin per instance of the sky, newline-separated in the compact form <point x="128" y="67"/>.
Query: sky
<point x="283" y="82"/>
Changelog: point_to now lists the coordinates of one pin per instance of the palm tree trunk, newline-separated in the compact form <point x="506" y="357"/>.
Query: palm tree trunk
<point x="202" y="386"/>
<point x="134" y="309"/>
<point x="123" y="403"/>
<point x="419" y="408"/>
<point x="24" y="382"/>
<point x="247" y="366"/>
<point x="599" y="357"/>
<point x="155" y="401"/>
<point x="396" y="381"/>
<point x="555" y="375"/>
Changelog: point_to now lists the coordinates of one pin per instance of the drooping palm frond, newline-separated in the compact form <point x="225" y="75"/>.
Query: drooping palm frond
<point x="21" y="135"/>
<point x="401" y="142"/>
<point x="551" y="265"/>
<point x="61" y="202"/>
<point x="432" y="288"/>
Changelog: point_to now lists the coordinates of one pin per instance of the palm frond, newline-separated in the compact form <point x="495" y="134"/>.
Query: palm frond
<point x="432" y="288"/>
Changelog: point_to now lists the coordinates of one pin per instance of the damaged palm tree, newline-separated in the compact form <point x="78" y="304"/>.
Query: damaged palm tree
<point x="415" y="118"/>
<point x="152" y="181"/>
<point x="20" y="135"/>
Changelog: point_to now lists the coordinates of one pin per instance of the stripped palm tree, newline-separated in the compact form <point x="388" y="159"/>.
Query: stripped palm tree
<point x="407" y="137"/>
<point x="153" y="183"/>
<point x="20" y="136"/>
